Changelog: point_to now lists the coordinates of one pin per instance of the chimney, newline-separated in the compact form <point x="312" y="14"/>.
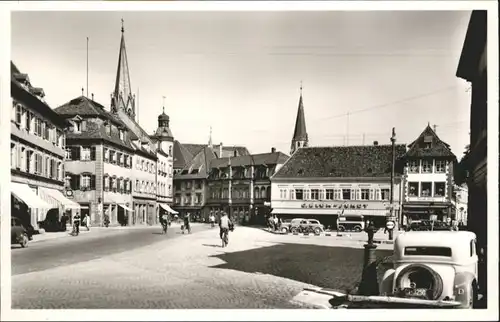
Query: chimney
<point x="235" y="154"/>
<point x="220" y="150"/>
<point x="375" y="143"/>
<point x="92" y="96"/>
<point x="273" y="150"/>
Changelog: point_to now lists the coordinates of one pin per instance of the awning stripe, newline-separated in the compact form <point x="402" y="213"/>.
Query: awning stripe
<point x="60" y="198"/>
<point x="167" y="208"/>
<point x="28" y="196"/>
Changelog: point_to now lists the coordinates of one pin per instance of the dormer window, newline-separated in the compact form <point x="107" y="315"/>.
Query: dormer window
<point x="122" y="135"/>
<point x="427" y="142"/>
<point x="77" y="124"/>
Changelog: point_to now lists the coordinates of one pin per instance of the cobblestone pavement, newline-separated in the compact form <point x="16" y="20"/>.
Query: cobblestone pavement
<point x="193" y="271"/>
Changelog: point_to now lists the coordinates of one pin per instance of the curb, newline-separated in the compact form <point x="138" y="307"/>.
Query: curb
<point x="327" y="234"/>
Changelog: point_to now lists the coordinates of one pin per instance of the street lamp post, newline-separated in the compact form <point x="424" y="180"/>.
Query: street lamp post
<point x="393" y="141"/>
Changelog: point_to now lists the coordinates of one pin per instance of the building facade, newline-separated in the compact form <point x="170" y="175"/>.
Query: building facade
<point x="37" y="156"/>
<point x="428" y="179"/>
<point x="98" y="161"/>
<point x="327" y="182"/>
<point x="241" y="185"/>
<point x="472" y="67"/>
<point x="460" y="201"/>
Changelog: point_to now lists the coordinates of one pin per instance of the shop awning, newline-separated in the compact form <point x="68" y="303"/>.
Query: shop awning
<point x="125" y="207"/>
<point x="24" y="193"/>
<point x="168" y="209"/>
<point x="60" y="198"/>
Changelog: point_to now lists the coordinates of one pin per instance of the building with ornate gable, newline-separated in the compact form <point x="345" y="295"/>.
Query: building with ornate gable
<point x="241" y="186"/>
<point x="428" y="178"/>
<point x="325" y="182"/>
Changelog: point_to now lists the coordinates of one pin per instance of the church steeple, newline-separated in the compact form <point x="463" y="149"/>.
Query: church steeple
<point x="122" y="98"/>
<point x="300" y="138"/>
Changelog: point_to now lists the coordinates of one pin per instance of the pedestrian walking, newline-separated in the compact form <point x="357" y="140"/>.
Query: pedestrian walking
<point x="86" y="222"/>
<point x="275" y="222"/>
<point x="76" y="224"/>
<point x="370" y="230"/>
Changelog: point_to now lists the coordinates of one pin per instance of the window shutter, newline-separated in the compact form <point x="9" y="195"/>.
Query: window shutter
<point x="92" y="153"/>
<point x="74" y="182"/>
<point x="84" y="126"/>
<point x="92" y="182"/>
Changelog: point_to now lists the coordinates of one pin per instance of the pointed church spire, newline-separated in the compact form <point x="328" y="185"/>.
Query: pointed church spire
<point x="210" y="138"/>
<point x="123" y="98"/>
<point x="300" y="138"/>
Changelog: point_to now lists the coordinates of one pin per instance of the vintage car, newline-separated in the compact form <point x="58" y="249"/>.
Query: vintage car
<point x="433" y="266"/>
<point x="301" y="225"/>
<point x="18" y="234"/>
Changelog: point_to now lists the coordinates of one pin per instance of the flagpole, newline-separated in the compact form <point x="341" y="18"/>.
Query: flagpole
<point x="87" y="66"/>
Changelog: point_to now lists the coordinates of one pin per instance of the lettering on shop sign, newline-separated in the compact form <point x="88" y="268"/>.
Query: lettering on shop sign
<point x="334" y="206"/>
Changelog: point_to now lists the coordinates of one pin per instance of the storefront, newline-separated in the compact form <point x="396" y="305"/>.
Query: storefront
<point x="439" y="211"/>
<point x="327" y="212"/>
<point x="27" y="206"/>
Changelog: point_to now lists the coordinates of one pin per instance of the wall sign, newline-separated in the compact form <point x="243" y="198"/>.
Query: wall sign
<point x="69" y="193"/>
<point x="335" y="206"/>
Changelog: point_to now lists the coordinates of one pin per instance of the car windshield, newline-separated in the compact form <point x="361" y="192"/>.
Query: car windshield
<point x="428" y="251"/>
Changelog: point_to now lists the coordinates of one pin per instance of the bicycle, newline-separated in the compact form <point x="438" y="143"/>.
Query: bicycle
<point x="225" y="237"/>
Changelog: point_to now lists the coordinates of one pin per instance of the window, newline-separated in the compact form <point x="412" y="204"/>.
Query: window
<point x="413" y="189"/>
<point x="329" y="194"/>
<point x="85" y="181"/>
<point x="75" y="153"/>
<point x="60" y="171"/>
<point x="85" y="156"/>
<point x="414" y="166"/>
<point x="122" y="135"/>
<point x="365" y="194"/>
<point x="428" y="251"/>
<point x="13" y="155"/>
<point x="38" y="126"/>
<point x="386" y="193"/>
<point x="314" y="194"/>
<point x="299" y="194"/>
<point x="29" y="162"/>
<point x="439" y="189"/>
<point x="170" y="150"/>
<point x="472" y="248"/>
<point x="426" y="166"/>
<point x="346" y="194"/>
<point x="77" y="126"/>
<point x="19" y="113"/>
<point x="142" y="165"/>
<point x="106" y="183"/>
<point x="67" y="154"/>
<point x="426" y="189"/>
<point x="67" y="182"/>
<point x="198" y="198"/>
<point x="120" y="158"/>
<point x="29" y="119"/>
<point x="440" y="166"/>
<point x="137" y="186"/>
<point x="282" y="193"/>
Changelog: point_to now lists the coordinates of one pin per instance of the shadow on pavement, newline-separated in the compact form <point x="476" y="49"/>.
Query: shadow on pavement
<point x="323" y="266"/>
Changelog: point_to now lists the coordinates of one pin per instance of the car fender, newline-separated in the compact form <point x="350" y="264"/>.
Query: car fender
<point x="387" y="282"/>
<point x="462" y="287"/>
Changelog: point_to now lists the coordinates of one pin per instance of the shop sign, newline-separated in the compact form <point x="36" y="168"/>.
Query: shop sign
<point x="389" y="225"/>
<point x="335" y="206"/>
<point x="69" y="193"/>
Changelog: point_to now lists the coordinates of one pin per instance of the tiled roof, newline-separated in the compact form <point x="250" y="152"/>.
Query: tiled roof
<point x="246" y="160"/>
<point x="438" y="148"/>
<point x="26" y="92"/>
<point x="95" y="131"/>
<point x="84" y="106"/>
<point x="198" y="167"/>
<point x="181" y="155"/>
<point x="226" y="150"/>
<point x="342" y="161"/>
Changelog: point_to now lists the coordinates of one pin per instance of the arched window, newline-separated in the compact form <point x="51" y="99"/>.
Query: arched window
<point x="256" y="193"/>
<point x="268" y="193"/>
<point x="262" y="192"/>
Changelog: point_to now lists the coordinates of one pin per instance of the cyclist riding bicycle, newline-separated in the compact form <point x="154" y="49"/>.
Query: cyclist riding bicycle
<point x="225" y="225"/>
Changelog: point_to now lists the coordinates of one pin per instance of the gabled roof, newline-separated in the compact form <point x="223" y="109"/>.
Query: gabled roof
<point x="271" y="158"/>
<point x="474" y="45"/>
<point x="181" y="155"/>
<point x="21" y="89"/>
<point x="199" y="166"/>
<point x="417" y="148"/>
<point x="84" y="106"/>
<point x="227" y="151"/>
<point x="300" y="132"/>
<point x="342" y="161"/>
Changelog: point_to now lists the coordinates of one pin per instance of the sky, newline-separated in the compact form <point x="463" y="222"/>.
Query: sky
<point x="240" y="72"/>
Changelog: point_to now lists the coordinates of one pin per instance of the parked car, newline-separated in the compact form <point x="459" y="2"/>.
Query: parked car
<point x="18" y="234"/>
<point x="433" y="268"/>
<point x="301" y="225"/>
<point x="350" y="223"/>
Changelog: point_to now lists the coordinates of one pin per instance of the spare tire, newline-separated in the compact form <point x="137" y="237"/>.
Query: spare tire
<point x="423" y="277"/>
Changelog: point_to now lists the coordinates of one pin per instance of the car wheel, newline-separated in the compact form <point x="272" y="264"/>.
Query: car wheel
<point x="357" y="229"/>
<point x="24" y="241"/>
<point x="317" y="231"/>
<point x="284" y="230"/>
<point x="341" y="228"/>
